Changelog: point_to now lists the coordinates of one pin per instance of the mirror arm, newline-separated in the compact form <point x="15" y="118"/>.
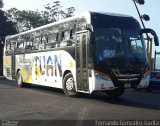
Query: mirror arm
<point x="148" y="30"/>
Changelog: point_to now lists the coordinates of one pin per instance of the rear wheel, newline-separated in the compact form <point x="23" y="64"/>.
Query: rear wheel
<point x="19" y="79"/>
<point x="115" y="93"/>
<point x="69" y="85"/>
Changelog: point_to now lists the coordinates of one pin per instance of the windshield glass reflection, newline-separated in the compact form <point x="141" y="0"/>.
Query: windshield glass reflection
<point x="114" y="43"/>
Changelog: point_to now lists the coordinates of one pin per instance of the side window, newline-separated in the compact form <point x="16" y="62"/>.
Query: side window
<point x="136" y="45"/>
<point x="13" y="43"/>
<point x="52" y="37"/>
<point x="44" y="41"/>
<point x="81" y="24"/>
<point x="20" y="45"/>
<point x="52" y="40"/>
<point x="68" y="38"/>
<point x="28" y="43"/>
<point x="8" y="47"/>
<point x="66" y="35"/>
<point x="72" y="34"/>
<point x="64" y="38"/>
<point x="37" y="41"/>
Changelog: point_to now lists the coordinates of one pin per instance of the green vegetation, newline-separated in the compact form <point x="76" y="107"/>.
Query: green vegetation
<point x="6" y="28"/>
<point x="27" y="19"/>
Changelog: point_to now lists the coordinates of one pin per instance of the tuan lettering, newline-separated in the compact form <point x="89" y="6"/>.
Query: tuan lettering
<point x="48" y="65"/>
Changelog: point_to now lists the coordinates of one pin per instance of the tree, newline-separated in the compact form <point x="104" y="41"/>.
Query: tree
<point x="6" y="28"/>
<point x="55" y="12"/>
<point x="69" y="12"/>
<point x="27" y="19"/>
<point x="1" y="3"/>
<point x="52" y="12"/>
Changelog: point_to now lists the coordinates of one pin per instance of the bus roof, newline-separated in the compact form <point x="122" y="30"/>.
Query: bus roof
<point x="112" y="14"/>
<point x="87" y="15"/>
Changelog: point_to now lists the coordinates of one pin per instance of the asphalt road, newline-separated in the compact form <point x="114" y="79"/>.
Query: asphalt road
<point x="43" y="103"/>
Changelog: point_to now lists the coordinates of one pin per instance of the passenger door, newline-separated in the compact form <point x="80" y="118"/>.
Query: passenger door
<point x="82" y="61"/>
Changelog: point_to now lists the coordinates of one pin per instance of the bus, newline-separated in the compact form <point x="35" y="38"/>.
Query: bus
<point x="91" y="52"/>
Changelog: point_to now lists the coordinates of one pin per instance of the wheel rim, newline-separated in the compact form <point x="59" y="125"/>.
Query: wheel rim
<point x="69" y="84"/>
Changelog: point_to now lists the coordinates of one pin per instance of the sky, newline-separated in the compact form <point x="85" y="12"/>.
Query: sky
<point x="151" y="8"/>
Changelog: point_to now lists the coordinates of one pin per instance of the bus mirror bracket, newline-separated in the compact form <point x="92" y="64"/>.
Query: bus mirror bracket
<point x="151" y="31"/>
<point x="89" y="27"/>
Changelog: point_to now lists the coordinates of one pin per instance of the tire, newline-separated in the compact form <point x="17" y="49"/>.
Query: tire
<point x="69" y="85"/>
<point x="115" y="93"/>
<point x="19" y="80"/>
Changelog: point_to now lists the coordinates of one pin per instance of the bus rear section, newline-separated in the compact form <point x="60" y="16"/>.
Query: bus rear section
<point x="9" y="59"/>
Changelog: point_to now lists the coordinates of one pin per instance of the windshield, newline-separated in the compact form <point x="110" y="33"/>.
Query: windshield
<point x="135" y="46"/>
<point x="114" y="44"/>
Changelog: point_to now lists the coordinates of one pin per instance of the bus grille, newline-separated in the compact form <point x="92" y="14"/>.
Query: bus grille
<point x="8" y="72"/>
<point x="128" y="77"/>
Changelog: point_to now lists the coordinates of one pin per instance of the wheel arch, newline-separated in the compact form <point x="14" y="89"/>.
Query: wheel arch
<point x="66" y="72"/>
<point x="18" y="71"/>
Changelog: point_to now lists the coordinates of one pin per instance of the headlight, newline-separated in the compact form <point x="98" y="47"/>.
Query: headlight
<point x="102" y="76"/>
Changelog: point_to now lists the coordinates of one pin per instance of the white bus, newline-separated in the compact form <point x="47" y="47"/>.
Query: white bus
<point x="85" y="53"/>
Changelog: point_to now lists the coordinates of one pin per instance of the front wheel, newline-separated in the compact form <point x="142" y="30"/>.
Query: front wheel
<point x="115" y="93"/>
<point x="69" y="85"/>
<point x="19" y="79"/>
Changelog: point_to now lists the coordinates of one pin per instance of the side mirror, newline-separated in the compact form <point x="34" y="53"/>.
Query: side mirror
<point x="140" y="1"/>
<point x="156" y="41"/>
<point x="148" y="30"/>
